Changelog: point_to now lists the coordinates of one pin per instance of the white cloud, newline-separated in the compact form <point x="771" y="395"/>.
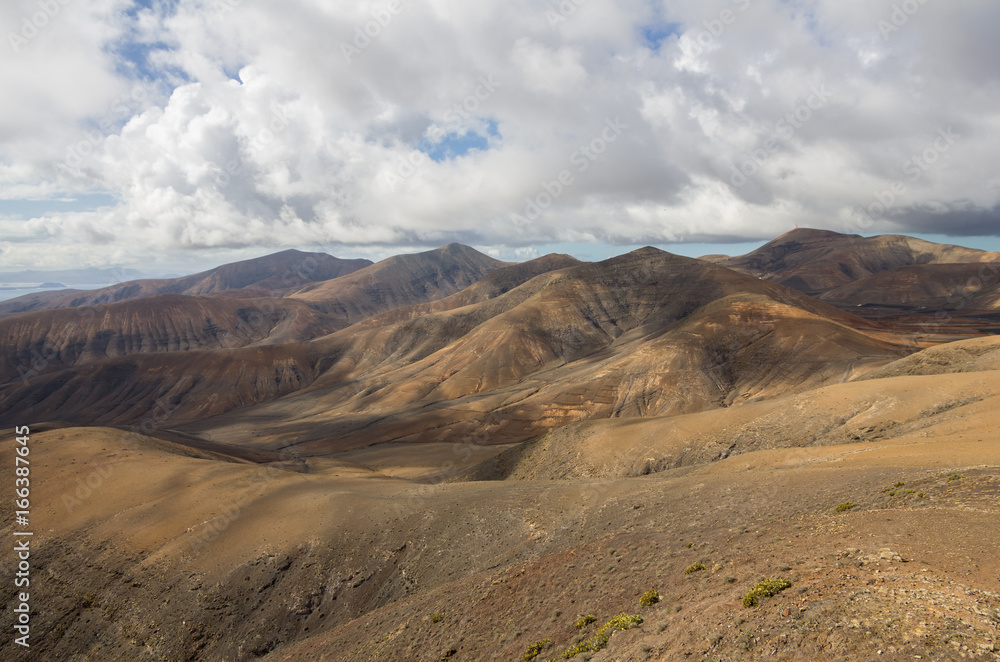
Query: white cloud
<point x="555" y="72"/>
<point x="259" y="133"/>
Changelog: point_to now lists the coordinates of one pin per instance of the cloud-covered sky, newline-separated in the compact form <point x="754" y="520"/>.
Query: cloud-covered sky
<point x="179" y="132"/>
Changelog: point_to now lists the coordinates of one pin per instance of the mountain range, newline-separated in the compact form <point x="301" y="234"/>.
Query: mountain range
<point x="303" y="457"/>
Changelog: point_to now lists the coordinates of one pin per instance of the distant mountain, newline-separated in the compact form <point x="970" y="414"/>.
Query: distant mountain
<point x="526" y="348"/>
<point x="51" y="340"/>
<point x="89" y="276"/>
<point x="451" y="343"/>
<point x="271" y="275"/>
<point x="817" y="261"/>
<point x="42" y="286"/>
<point x="194" y="350"/>
<point x="643" y="334"/>
<point x="400" y="280"/>
<point x="229" y="317"/>
<point x="966" y="288"/>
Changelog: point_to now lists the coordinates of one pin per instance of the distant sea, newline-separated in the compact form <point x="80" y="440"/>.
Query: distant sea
<point x="11" y="294"/>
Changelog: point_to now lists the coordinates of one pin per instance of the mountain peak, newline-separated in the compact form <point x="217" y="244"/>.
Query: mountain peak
<point x="648" y="250"/>
<point x="809" y="235"/>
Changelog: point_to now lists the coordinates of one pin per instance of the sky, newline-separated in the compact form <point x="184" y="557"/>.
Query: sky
<point x="177" y="134"/>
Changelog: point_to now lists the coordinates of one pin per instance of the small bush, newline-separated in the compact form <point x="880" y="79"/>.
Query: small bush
<point x="535" y="649"/>
<point x="955" y="477"/>
<point x="691" y="544"/>
<point x="693" y="568"/>
<point x="622" y="621"/>
<point x="585" y="621"/>
<point x="765" y="588"/>
<point x="436" y="618"/>
<point x="649" y="598"/>
<point x="899" y="484"/>
<point x="847" y="505"/>
<point x="921" y="494"/>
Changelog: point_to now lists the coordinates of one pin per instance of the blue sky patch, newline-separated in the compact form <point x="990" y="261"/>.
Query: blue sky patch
<point x="132" y="54"/>
<point x="133" y="59"/>
<point x="455" y="145"/>
<point x="653" y="36"/>
<point x="27" y="209"/>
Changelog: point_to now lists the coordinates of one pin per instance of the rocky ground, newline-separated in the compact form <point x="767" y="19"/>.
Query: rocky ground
<point x="231" y="562"/>
<point x="872" y="504"/>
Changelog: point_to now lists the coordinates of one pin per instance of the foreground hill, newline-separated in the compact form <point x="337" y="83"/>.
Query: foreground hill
<point x="949" y="389"/>
<point x="271" y="275"/>
<point x="817" y="261"/>
<point x="174" y="555"/>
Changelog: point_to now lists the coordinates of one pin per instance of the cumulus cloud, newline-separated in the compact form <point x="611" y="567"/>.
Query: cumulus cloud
<point x="229" y="125"/>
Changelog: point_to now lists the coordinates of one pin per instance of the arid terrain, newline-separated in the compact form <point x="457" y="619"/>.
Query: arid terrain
<point x="442" y="456"/>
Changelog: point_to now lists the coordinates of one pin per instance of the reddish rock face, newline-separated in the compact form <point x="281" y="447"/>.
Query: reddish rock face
<point x="818" y="261"/>
<point x="525" y="349"/>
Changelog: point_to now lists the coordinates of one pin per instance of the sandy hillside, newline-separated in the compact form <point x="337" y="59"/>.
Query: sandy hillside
<point x="175" y="556"/>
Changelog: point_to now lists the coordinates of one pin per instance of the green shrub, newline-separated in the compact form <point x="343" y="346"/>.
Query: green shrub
<point x="955" y="477"/>
<point x="693" y="568"/>
<point x="585" y="621"/>
<point x="847" y="505"/>
<point x="436" y="618"/>
<point x="690" y="545"/>
<point x="765" y="588"/>
<point x="649" y="598"/>
<point x="535" y="649"/>
<point x="622" y="621"/>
